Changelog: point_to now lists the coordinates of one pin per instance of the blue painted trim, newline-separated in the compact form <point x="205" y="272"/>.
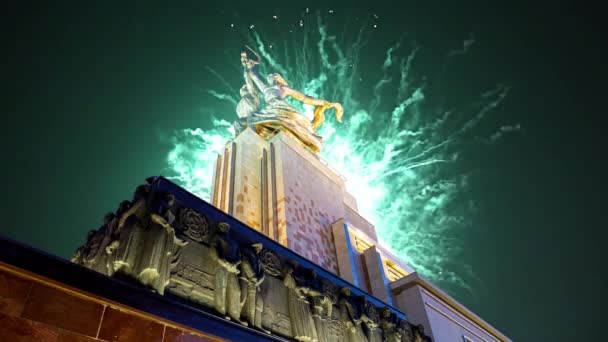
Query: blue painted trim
<point x="385" y="279"/>
<point x="352" y="256"/>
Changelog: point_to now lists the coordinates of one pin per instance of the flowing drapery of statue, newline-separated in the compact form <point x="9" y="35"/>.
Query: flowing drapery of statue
<point x="278" y="115"/>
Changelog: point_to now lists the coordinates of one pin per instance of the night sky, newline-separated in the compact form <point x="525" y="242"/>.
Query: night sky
<point x="93" y="89"/>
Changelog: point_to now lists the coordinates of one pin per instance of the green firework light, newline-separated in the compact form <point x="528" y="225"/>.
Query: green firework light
<point x="396" y="158"/>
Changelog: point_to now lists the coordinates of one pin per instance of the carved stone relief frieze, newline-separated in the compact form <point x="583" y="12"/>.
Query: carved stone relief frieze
<point x="157" y="241"/>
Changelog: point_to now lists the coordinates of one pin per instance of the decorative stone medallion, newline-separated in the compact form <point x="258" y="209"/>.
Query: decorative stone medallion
<point x="270" y="262"/>
<point x="193" y="224"/>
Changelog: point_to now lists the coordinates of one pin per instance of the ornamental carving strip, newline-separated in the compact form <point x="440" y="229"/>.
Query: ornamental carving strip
<point x="208" y="261"/>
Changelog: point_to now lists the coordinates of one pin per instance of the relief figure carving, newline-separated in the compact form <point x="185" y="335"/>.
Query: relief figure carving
<point x="147" y="248"/>
<point x="388" y="323"/>
<point x="349" y="315"/>
<point x="251" y="277"/>
<point x="405" y="331"/>
<point x="369" y="319"/>
<point x="227" y="291"/>
<point x="323" y="302"/>
<point x="419" y="335"/>
<point x="302" y="322"/>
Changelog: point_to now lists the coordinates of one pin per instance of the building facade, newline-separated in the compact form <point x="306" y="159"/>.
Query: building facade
<point x="281" y="254"/>
<point x="289" y="194"/>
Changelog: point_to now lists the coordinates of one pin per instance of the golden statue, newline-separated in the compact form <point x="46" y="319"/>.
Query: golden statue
<point x="278" y="114"/>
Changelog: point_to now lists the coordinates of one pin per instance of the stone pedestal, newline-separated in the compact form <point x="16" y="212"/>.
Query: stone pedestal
<point x="285" y="191"/>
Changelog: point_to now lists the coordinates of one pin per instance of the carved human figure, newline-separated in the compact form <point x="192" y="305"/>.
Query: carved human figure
<point x="97" y="253"/>
<point x="388" y="323"/>
<point x="323" y="300"/>
<point x="251" y="277"/>
<point x="302" y="322"/>
<point x="130" y="232"/>
<point x="160" y="254"/>
<point x="349" y="315"/>
<point x="83" y="251"/>
<point x="405" y="331"/>
<point x="129" y="247"/>
<point x="419" y="335"/>
<point x="164" y="206"/>
<point x="118" y="243"/>
<point x="227" y="256"/>
<point x="103" y="257"/>
<point x="369" y="319"/>
<point x="148" y="248"/>
<point x="278" y="114"/>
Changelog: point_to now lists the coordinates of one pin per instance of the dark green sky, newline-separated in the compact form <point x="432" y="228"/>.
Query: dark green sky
<point x="92" y="87"/>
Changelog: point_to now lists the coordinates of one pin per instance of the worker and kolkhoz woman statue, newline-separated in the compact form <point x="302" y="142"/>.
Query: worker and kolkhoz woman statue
<point x="242" y="280"/>
<point x="277" y="114"/>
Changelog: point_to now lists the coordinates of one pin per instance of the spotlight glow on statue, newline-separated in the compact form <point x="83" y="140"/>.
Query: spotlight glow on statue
<point x="400" y="144"/>
<point x="278" y="114"/>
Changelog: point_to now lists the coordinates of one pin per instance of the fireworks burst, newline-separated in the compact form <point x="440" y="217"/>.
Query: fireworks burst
<point x="396" y="149"/>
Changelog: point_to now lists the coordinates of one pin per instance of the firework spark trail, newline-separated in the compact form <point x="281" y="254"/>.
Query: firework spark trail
<point x="224" y="82"/>
<point x="221" y="96"/>
<point x="396" y="159"/>
<point x="385" y="80"/>
<point x="501" y="132"/>
<point x="193" y="155"/>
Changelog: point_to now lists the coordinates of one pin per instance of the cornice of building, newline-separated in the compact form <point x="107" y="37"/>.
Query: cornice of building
<point x="415" y="279"/>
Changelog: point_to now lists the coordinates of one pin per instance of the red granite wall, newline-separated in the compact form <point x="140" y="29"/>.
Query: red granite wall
<point x="34" y="309"/>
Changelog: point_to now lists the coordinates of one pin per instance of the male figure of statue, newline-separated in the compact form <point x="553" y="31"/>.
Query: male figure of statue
<point x="249" y="102"/>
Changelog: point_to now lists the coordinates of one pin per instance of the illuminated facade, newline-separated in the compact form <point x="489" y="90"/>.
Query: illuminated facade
<point x="289" y="194"/>
<point x="285" y="257"/>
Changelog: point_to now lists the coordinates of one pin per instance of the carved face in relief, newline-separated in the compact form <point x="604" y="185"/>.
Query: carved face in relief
<point x="223" y="227"/>
<point x="257" y="247"/>
<point x="345" y="291"/>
